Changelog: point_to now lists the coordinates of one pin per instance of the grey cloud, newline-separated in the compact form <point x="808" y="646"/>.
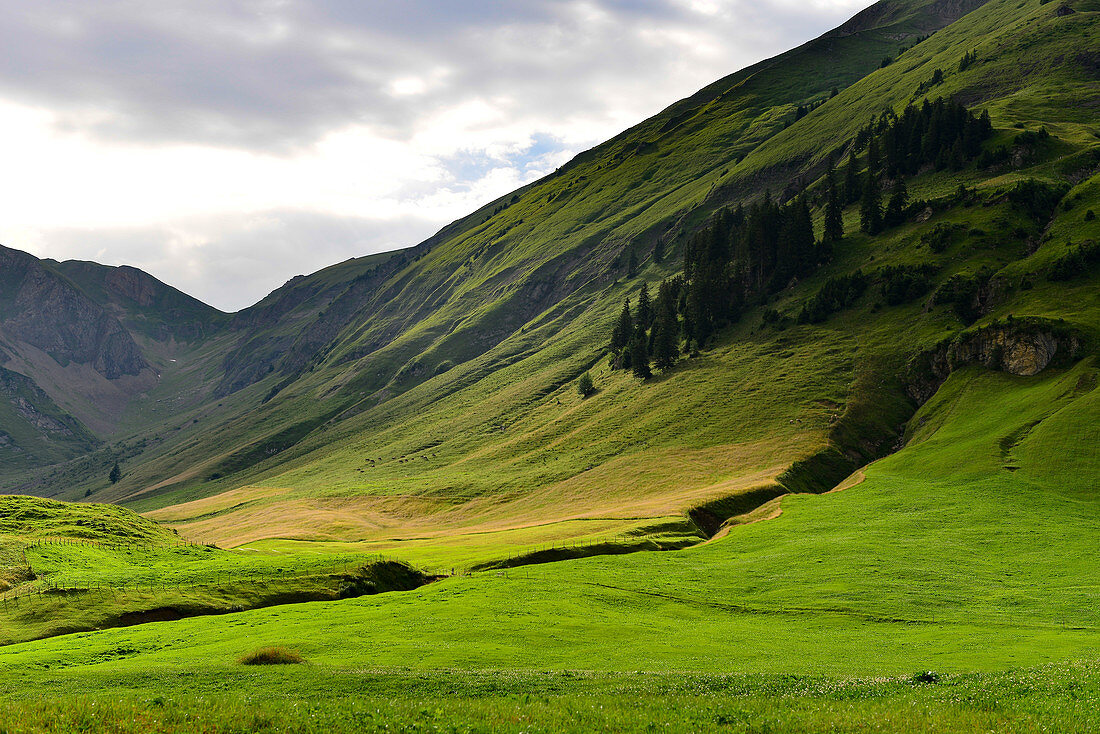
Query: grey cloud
<point x="279" y="74"/>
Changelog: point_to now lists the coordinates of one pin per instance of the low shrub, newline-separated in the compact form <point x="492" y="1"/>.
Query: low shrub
<point x="905" y="283"/>
<point x="272" y="656"/>
<point x="835" y="295"/>
<point x="1075" y="263"/>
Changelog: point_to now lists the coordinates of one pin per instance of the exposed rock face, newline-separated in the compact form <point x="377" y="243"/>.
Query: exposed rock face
<point x="42" y="309"/>
<point x="133" y="284"/>
<point x="141" y="303"/>
<point x="30" y="404"/>
<point x="1023" y="348"/>
<point x="1018" y="354"/>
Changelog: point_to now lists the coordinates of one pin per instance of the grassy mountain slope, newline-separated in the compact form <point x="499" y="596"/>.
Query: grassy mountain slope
<point x="533" y="270"/>
<point x="502" y="442"/>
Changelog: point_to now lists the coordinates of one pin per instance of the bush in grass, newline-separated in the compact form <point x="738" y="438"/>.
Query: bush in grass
<point x="585" y="386"/>
<point x="272" y="656"/>
<point x="940" y="237"/>
<point x="963" y="294"/>
<point x="905" y="283"/>
<point x="835" y="295"/>
<point x="1037" y="199"/>
<point x="1075" y="262"/>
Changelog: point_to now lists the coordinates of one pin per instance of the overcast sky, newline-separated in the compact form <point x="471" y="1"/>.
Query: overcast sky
<point x="226" y="146"/>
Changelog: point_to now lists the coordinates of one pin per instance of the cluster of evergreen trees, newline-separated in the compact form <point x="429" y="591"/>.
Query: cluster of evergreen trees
<point x="648" y="336"/>
<point x="749" y="252"/>
<point x="942" y="134"/>
<point x="745" y="252"/>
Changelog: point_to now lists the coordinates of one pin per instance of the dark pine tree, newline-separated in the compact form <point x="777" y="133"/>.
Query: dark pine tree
<point x="870" y="208"/>
<point x="639" y="356"/>
<point x="895" y="208"/>
<point x="624" y="327"/>
<point x="796" y="244"/>
<point x="873" y="160"/>
<point x="659" y="250"/>
<point x="645" y="308"/>
<point x="666" y="340"/>
<point x="852" y="190"/>
<point x="116" y="474"/>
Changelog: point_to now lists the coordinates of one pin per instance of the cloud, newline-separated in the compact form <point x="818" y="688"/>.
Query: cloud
<point x="160" y="117"/>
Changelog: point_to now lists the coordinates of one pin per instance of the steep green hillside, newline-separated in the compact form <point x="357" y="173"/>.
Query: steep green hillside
<point x="450" y="409"/>
<point x="472" y="296"/>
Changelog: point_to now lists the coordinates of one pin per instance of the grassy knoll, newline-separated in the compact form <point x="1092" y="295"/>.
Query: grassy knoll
<point x="67" y="568"/>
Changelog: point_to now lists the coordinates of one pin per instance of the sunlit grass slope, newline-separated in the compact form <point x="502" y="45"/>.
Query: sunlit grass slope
<point x="526" y="282"/>
<point x="72" y="567"/>
<point x="477" y="426"/>
<point x="962" y="552"/>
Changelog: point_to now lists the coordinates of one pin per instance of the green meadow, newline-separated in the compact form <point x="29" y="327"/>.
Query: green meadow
<point x="798" y="527"/>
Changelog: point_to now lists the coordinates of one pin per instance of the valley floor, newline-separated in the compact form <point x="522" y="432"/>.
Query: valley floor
<point x="975" y="554"/>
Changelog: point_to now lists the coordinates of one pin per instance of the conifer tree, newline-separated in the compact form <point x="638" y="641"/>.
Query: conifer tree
<point x="802" y="231"/>
<point x="666" y="338"/>
<point x="895" y="209"/>
<point x="659" y="250"/>
<point x="870" y="210"/>
<point x="852" y="190"/>
<point x="116" y="474"/>
<point x="623" y="329"/>
<point x="632" y="264"/>
<point x="645" y="308"/>
<point x="639" y="356"/>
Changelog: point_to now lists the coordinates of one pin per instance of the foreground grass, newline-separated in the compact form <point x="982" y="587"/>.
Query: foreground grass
<point x="1054" y="698"/>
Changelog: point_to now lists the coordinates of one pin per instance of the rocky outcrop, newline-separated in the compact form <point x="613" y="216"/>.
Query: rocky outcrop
<point x="132" y="284"/>
<point x="141" y="303"/>
<point x="1023" y="347"/>
<point x="42" y="309"/>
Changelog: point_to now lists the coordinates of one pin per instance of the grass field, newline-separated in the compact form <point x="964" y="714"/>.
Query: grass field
<point x="969" y="558"/>
<point x="1048" y="698"/>
<point x="577" y="583"/>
